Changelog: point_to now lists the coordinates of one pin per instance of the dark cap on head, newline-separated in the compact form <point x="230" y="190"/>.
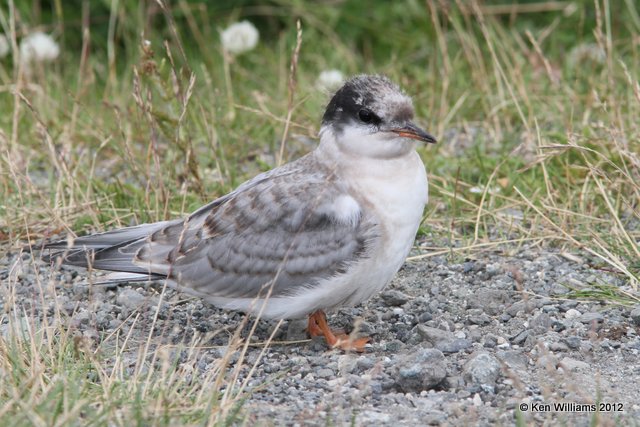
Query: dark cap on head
<point x="375" y="93"/>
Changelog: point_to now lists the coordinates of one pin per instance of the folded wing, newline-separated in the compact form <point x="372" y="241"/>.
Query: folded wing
<point x="285" y="229"/>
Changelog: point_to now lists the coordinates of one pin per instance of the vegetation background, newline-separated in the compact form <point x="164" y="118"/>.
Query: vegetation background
<point x="144" y="117"/>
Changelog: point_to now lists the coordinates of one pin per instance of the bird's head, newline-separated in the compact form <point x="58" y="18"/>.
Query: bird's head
<point x="370" y="116"/>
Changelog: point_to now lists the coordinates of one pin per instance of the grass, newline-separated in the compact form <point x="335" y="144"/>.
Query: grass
<point x="535" y="106"/>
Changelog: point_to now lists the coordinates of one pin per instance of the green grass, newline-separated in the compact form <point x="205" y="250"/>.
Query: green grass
<point x="535" y="108"/>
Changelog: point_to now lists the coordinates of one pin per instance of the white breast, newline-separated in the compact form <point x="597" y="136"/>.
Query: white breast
<point x="397" y="194"/>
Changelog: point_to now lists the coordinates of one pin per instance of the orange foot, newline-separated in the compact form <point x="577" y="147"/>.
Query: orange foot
<point x="318" y="326"/>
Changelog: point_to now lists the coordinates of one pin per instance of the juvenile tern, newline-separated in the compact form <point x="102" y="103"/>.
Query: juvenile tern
<point x="330" y="229"/>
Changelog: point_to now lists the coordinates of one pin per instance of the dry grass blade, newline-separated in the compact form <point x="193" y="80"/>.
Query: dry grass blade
<point x="291" y="90"/>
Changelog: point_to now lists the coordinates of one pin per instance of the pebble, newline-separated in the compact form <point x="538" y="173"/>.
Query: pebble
<point x="493" y="269"/>
<point x="477" y="400"/>
<point x="566" y="305"/>
<point x="481" y="319"/>
<point x="453" y="346"/>
<point x="490" y="341"/>
<point x="297" y="330"/>
<point x="482" y="369"/>
<point x="572" y="313"/>
<point x="633" y="345"/>
<point x="558" y="346"/>
<point x="491" y="301"/>
<point x="394" y="298"/>
<point x="541" y="323"/>
<point x="433" y="335"/>
<point x="82" y="317"/>
<point x="520" y="338"/>
<point x="573" y="364"/>
<point x="130" y="299"/>
<point x="325" y="373"/>
<point x="514" y="359"/>
<point x="589" y="318"/>
<point x="635" y="316"/>
<point x="421" y="370"/>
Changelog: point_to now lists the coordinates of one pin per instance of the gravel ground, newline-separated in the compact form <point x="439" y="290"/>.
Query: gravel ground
<point x="464" y="343"/>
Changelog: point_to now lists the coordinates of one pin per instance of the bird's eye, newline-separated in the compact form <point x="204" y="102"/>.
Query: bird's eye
<point x="366" y="116"/>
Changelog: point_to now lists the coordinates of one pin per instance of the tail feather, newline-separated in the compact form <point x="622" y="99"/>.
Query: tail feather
<point x="109" y="238"/>
<point x="112" y="251"/>
<point x="116" y="278"/>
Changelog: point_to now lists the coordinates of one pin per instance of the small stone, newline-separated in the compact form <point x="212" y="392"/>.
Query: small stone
<point x="444" y="341"/>
<point x="515" y="308"/>
<point x="420" y="370"/>
<point x="82" y="318"/>
<point x="520" y="338"/>
<point x="493" y="269"/>
<point x="491" y="301"/>
<point x="425" y="317"/>
<point x="513" y="359"/>
<point x="463" y="394"/>
<point x="467" y="267"/>
<point x="481" y="319"/>
<point x="633" y="345"/>
<point x="490" y="341"/>
<point x="609" y="345"/>
<point x="586" y="346"/>
<point x="325" y="373"/>
<point x="374" y="418"/>
<point x="453" y="346"/>
<point x="548" y="361"/>
<point x="558" y="346"/>
<point x="573" y="364"/>
<point x="477" y="400"/>
<point x="433" y="335"/>
<point x="347" y="364"/>
<point x="130" y="299"/>
<point x="297" y="330"/>
<point x="453" y="382"/>
<point x="482" y="369"/>
<point x="558" y="290"/>
<point x="559" y="326"/>
<point x="365" y="363"/>
<point x="475" y="335"/>
<point x="635" y="316"/>
<point x="572" y="313"/>
<point x="565" y="306"/>
<point x="394" y="298"/>
<point x="393" y="346"/>
<point x="541" y="323"/>
<point x="590" y="318"/>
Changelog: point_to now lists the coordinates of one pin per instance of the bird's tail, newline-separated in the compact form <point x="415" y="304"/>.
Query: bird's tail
<point x="112" y="251"/>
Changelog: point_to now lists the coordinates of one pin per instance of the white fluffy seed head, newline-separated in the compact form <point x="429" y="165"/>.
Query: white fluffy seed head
<point x="586" y="53"/>
<point x="330" y="80"/>
<point x="5" y="46"/>
<point x="240" y="37"/>
<point x="38" y="47"/>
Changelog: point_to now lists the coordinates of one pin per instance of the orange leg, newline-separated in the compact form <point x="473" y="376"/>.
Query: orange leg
<point x="318" y="326"/>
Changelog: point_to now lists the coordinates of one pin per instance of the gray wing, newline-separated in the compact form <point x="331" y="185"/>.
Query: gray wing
<point x="287" y="230"/>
